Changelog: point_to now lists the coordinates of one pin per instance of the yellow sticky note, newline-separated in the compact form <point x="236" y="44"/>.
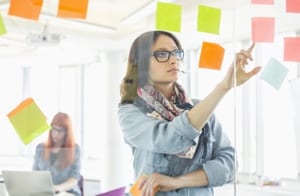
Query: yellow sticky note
<point x="168" y="17"/>
<point x="209" y="19"/>
<point x="211" y="56"/>
<point x="29" y="9"/>
<point x="73" y="8"/>
<point x="28" y="120"/>
<point x="2" y="26"/>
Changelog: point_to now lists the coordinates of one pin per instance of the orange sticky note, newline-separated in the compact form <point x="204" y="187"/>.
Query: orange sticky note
<point x="293" y="6"/>
<point x="263" y="29"/>
<point x="211" y="56"/>
<point x="29" y="9"/>
<point x="135" y="191"/>
<point x="262" y="2"/>
<point x="28" y="120"/>
<point x="292" y="49"/>
<point x="72" y="8"/>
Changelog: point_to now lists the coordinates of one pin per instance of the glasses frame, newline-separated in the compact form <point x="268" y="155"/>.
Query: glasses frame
<point x="58" y="129"/>
<point x="174" y="52"/>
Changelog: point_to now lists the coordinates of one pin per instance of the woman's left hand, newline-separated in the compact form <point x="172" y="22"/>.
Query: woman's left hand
<point x="57" y="189"/>
<point x="149" y="185"/>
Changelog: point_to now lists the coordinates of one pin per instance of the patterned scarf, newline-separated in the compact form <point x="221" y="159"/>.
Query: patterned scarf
<point x="164" y="109"/>
<point x="162" y="105"/>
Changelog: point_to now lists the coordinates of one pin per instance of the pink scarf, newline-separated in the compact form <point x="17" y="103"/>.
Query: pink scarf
<point x="161" y="104"/>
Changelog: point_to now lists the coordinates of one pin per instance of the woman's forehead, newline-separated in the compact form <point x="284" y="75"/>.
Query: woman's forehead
<point x="164" y="42"/>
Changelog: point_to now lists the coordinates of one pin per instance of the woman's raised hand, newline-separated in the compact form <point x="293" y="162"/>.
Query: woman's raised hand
<point x="241" y="61"/>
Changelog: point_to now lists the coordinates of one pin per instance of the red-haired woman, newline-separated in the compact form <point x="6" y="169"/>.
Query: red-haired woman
<point x="60" y="155"/>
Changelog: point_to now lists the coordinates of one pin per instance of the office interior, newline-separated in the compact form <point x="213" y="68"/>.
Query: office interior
<point x="76" y="66"/>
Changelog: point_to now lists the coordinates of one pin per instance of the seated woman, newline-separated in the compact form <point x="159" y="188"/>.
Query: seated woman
<point x="61" y="156"/>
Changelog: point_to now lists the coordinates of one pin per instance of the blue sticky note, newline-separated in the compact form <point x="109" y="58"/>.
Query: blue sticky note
<point x="274" y="73"/>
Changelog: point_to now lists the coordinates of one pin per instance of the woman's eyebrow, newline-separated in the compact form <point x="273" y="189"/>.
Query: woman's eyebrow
<point x="173" y="48"/>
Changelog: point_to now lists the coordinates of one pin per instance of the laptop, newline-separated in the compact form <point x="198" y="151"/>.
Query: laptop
<point x="28" y="183"/>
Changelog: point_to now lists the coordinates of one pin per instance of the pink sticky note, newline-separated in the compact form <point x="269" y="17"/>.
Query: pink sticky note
<point x="263" y="29"/>
<point x="293" y="6"/>
<point x="262" y="2"/>
<point x="292" y="49"/>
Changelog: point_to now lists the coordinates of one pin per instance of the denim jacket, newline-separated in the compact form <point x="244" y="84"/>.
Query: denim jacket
<point x="155" y="143"/>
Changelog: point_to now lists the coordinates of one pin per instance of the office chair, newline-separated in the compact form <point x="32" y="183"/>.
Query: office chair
<point x="80" y="184"/>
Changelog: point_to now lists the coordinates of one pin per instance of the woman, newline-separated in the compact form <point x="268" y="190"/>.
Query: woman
<point x="177" y="143"/>
<point x="60" y="155"/>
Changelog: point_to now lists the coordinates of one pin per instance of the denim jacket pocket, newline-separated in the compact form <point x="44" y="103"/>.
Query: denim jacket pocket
<point x="208" y="148"/>
<point x="204" y="151"/>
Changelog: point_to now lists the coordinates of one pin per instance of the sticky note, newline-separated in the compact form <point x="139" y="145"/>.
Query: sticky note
<point x="292" y="6"/>
<point x="292" y="49"/>
<point x="28" y="120"/>
<point x="209" y="19"/>
<point x="135" y="191"/>
<point x="115" y="192"/>
<point x="274" y="73"/>
<point x="263" y="29"/>
<point x="72" y="8"/>
<point x="2" y="26"/>
<point x="270" y="2"/>
<point x="211" y="56"/>
<point x="168" y="16"/>
<point x="29" y="9"/>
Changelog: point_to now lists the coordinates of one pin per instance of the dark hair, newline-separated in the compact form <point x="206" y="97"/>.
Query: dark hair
<point x="138" y="63"/>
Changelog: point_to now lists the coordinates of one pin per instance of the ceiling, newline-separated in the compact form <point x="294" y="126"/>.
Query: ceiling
<point x="105" y="25"/>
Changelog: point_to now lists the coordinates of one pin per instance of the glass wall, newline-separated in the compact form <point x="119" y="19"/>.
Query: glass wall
<point x="261" y="121"/>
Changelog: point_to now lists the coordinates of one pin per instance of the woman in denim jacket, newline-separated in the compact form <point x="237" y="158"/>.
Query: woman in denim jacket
<point x="178" y="145"/>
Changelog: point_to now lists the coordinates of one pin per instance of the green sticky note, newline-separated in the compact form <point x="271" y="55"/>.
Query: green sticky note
<point x="168" y="17"/>
<point x="2" y="26"/>
<point x="209" y="19"/>
<point x="28" y="120"/>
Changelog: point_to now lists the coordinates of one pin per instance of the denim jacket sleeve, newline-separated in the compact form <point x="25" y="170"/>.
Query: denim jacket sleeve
<point x="220" y="167"/>
<point x="151" y="134"/>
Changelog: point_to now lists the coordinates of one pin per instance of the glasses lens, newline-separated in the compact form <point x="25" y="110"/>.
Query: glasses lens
<point x="178" y="54"/>
<point x="164" y="55"/>
<point x="161" y="56"/>
<point x="58" y="129"/>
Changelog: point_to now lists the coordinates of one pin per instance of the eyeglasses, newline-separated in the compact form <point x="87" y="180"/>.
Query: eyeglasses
<point x="58" y="129"/>
<point x="164" y="55"/>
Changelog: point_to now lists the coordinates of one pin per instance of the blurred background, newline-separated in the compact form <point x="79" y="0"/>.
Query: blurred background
<point x="75" y="65"/>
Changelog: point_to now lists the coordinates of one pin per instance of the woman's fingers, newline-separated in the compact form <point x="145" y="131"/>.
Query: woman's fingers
<point x="244" y="55"/>
<point x="251" y="47"/>
<point x="148" y="186"/>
